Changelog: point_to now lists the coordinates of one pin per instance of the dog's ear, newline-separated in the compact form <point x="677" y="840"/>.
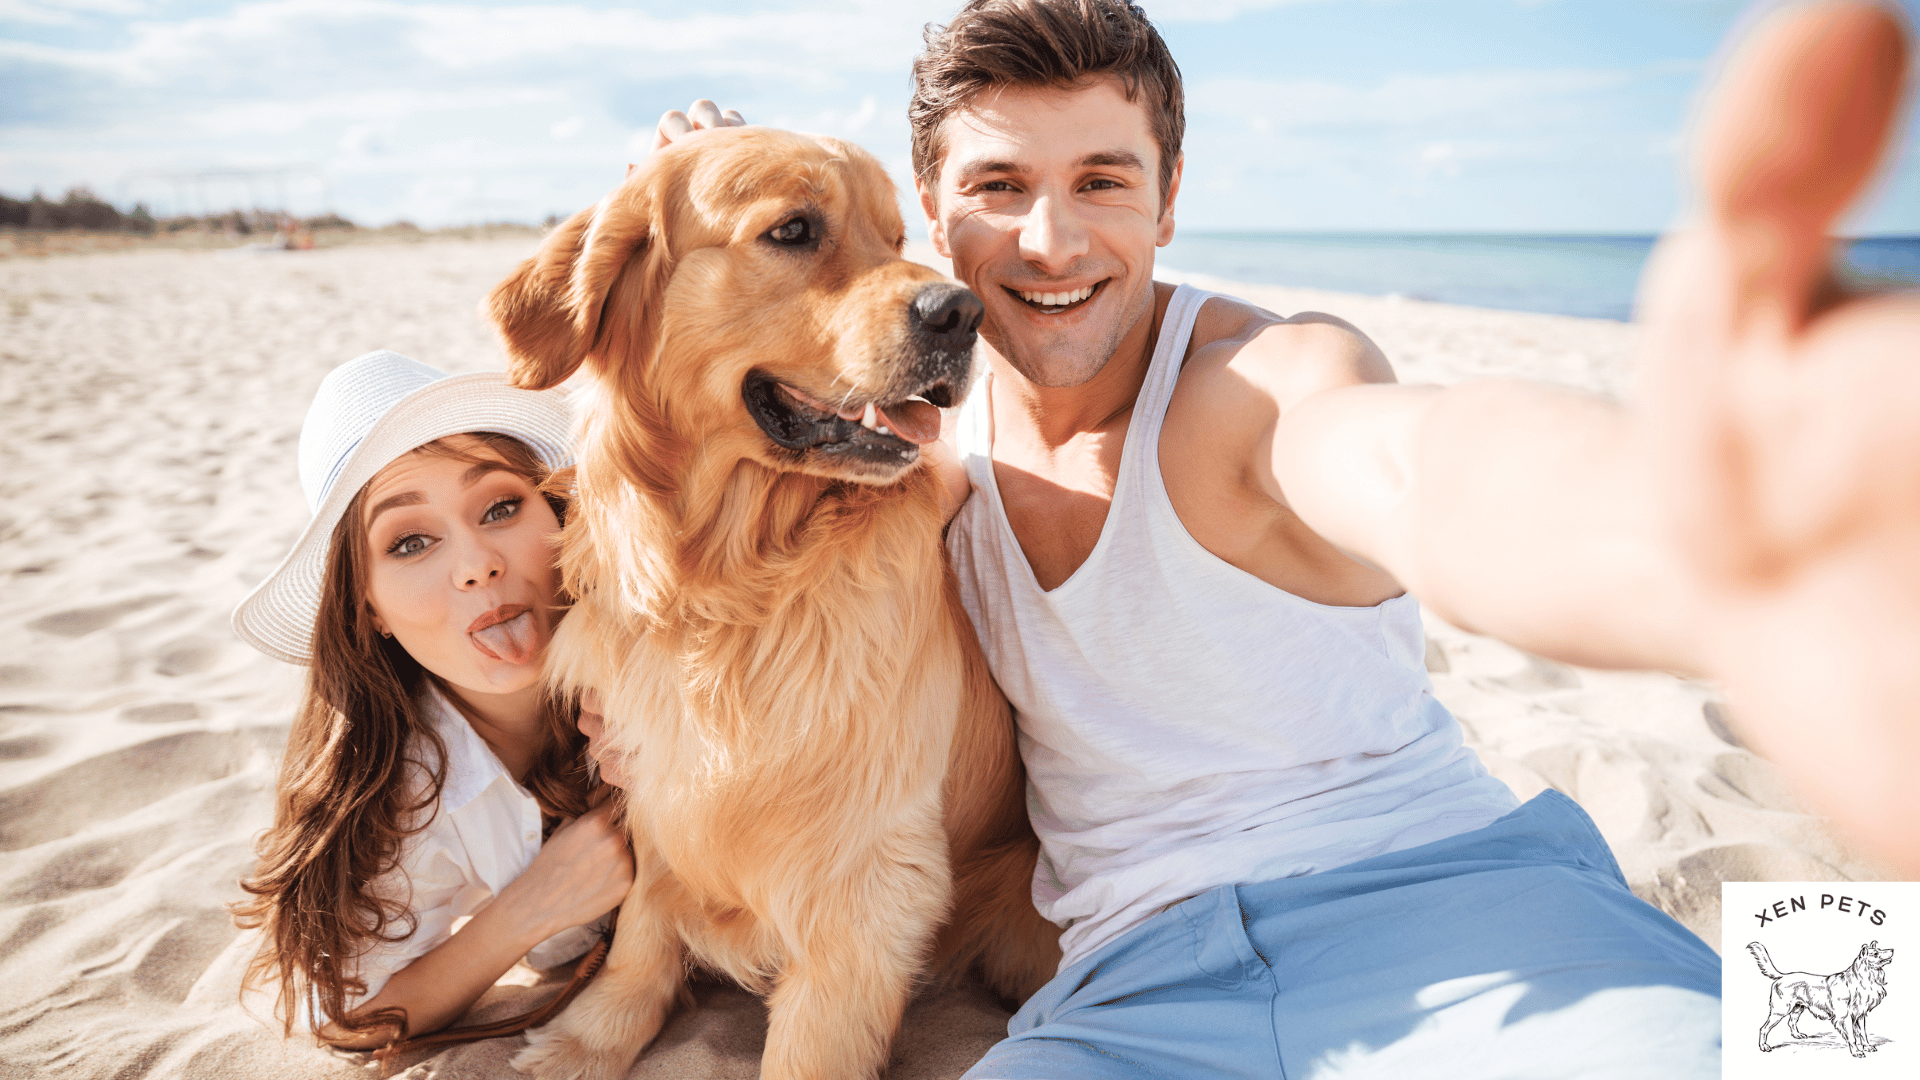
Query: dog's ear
<point x="548" y="311"/>
<point x="533" y="309"/>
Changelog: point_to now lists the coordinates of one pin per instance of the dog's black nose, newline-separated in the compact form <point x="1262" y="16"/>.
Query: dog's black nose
<point x="948" y="310"/>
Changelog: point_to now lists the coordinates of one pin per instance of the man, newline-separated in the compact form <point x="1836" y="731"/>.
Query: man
<point x="1190" y="528"/>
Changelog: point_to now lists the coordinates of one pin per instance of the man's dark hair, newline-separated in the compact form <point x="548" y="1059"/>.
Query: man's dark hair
<point x="1063" y="43"/>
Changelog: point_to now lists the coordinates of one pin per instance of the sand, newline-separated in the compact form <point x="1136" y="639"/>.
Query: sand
<point x="152" y="401"/>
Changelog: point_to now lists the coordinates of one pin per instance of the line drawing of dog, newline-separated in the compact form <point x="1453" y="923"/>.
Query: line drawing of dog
<point x="1843" y="999"/>
<point x="825" y="800"/>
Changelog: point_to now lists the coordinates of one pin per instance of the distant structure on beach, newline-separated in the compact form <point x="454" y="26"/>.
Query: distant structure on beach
<point x="81" y="210"/>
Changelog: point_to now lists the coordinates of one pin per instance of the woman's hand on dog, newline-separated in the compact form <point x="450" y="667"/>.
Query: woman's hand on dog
<point x="609" y="762"/>
<point x="700" y="116"/>
<point x="582" y="872"/>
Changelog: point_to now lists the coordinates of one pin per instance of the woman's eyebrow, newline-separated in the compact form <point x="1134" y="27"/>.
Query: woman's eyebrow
<point x="404" y="498"/>
<point x="415" y="498"/>
<point x="480" y="469"/>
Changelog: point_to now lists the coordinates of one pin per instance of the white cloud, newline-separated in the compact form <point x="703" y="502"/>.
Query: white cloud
<point x="65" y="13"/>
<point x="1438" y="157"/>
<point x="365" y="140"/>
<point x="1398" y="100"/>
<point x="568" y="128"/>
<point x="808" y="44"/>
<point x="1178" y="11"/>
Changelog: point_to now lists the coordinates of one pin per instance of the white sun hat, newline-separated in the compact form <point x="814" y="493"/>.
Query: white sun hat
<point x="367" y="412"/>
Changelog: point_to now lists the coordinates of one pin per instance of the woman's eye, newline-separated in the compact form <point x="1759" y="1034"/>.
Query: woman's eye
<point x="501" y="511"/>
<point x="797" y="231"/>
<point x="408" y="545"/>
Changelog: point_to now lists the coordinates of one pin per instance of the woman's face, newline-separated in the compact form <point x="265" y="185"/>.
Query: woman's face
<point x="461" y="567"/>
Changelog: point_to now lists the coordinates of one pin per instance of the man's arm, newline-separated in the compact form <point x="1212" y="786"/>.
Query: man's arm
<point x="1512" y="509"/>
<point x="1755" y="517"/>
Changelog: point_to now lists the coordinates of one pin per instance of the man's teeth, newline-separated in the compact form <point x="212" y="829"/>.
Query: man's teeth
<point x="1056" y="299"/>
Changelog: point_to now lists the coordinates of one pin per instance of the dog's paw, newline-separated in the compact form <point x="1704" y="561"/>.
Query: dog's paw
<point x="559" y="1055"/>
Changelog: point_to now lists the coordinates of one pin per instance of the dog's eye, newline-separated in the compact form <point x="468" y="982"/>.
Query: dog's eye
<point x="796" y="231"/>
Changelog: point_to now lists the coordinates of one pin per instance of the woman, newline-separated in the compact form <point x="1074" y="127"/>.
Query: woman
<point x="426" y="764"/>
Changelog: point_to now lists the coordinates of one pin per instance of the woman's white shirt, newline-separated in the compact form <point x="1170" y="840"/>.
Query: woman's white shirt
<point x="484" y="833"/>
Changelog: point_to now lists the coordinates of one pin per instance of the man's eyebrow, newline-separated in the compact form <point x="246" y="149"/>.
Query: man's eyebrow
<point x="1112" y="159"/>
<point x="975" y="168"/>
<point x="1125" y="159"/>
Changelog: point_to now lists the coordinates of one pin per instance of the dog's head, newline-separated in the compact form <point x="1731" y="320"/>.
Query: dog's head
<point x="745" y="290"/>
<point x="1873" y="956"/>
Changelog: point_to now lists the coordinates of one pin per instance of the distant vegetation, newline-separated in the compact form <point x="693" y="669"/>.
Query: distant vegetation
<point x="83" y="210"/>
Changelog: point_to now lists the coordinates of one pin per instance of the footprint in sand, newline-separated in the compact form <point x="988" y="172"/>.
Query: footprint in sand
<point x="1539" y="676"/>
<point x="208" y="817"/>
<point x="161" y="712"/>
<point x="21" y="735"/>
<point x="1720" y="723"/>
<point x="1690" y="889"/>
<point x="1743" y="778"/>
<point x="76" y="622"/>
<point x="116" y="783"/>
<point x="187" y="656"/>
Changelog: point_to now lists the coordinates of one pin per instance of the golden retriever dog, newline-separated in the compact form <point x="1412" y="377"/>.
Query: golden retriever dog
<point x="824" y="796"/>
<point x="1843" y="999"/>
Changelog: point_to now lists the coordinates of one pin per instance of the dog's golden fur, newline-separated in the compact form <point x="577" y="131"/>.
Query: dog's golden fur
<point x="822" y="769"/>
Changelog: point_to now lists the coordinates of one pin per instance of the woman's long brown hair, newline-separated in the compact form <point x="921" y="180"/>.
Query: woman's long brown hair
<point x="363" y="771"/>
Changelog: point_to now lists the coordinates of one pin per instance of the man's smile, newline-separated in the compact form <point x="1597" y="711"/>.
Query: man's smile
<point x="1058" y="300"/>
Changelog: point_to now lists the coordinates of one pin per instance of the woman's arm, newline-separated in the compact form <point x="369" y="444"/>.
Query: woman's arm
<point x="581" y="873"/>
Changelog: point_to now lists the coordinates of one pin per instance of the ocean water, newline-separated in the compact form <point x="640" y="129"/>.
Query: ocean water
<point x="1591" y="276"/>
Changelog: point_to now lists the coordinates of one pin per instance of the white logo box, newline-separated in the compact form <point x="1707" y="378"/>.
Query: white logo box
<point x="1814" y="933"/>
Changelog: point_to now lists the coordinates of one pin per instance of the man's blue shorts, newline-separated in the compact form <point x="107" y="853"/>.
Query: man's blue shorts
<point x="1511" y="951"/>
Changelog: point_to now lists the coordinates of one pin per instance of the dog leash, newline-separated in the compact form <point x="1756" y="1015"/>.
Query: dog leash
<point x="589" y="966"/>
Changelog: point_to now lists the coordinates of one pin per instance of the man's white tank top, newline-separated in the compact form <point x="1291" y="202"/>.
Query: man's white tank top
<point x="1184" y="723"/>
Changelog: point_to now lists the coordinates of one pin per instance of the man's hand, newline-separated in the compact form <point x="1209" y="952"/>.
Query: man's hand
<point x="702" y="115"/>
<point x="1754" y="517"/>
<point x="1782" y="420"/>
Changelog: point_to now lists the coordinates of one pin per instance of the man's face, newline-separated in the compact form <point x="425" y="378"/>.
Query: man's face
<point x="1048" y="203"/>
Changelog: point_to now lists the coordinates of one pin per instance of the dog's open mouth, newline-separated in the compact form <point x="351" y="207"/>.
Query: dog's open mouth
<point x="798" y="420"/>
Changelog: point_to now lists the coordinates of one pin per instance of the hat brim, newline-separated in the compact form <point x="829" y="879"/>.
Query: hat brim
<point x="278" y="616"/>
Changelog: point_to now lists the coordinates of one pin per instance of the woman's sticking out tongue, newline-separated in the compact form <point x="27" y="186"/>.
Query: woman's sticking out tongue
<point x="515" y="640"/>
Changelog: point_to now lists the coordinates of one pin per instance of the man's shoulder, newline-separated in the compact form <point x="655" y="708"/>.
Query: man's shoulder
<point x="1238" y="347"/>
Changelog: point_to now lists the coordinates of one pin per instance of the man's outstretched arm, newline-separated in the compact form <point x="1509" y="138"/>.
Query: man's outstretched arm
<point x="1513" y="509"/>
<point x="1755" y="516"/>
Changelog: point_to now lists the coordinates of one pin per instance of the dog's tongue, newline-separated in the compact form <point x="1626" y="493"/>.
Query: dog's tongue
<point x="513" y="641"/>
<point x="914" y="421"/>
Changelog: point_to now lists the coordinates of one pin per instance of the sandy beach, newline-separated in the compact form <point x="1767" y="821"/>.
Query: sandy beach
<point x="152" y="401"/>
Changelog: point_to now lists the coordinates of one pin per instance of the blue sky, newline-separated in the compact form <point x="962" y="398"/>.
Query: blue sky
<point x="1506" y="115"/>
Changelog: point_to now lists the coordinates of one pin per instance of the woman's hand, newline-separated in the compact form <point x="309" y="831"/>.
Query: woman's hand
<point x="582" y="872"/>
<point x="611" y="763"/>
